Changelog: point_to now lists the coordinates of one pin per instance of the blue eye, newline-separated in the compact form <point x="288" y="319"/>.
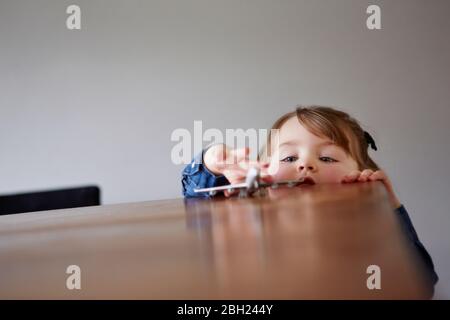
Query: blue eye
<point x="289" y="159"/>
<point x="327" y="159"/>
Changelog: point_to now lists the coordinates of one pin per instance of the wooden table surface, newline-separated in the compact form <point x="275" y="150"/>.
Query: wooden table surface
<point x="302" y="243"/>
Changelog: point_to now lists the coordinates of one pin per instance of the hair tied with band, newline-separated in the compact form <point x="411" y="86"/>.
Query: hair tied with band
<point x="370" y="140"/>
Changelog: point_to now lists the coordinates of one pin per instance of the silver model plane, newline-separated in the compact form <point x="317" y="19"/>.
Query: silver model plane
<point x="252" y="183"/>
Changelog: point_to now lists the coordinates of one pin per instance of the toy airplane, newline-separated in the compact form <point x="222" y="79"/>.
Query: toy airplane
<point x="252" y="184"/>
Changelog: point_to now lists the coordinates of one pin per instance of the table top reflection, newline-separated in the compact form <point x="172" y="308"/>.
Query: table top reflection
<point x="310" y="242"/>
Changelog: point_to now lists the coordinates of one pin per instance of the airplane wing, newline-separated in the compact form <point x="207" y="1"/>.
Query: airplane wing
<point x="252" y="177"/>
<point x="251" y="184"/>
<point x="274" y="185"/>
<point x="226" y="187"/>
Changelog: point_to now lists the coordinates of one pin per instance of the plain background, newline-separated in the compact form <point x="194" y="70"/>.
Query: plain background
<point x="99" y="105"/>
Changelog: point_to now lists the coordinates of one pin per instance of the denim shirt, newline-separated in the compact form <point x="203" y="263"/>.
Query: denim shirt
<point x="196" y="176"/>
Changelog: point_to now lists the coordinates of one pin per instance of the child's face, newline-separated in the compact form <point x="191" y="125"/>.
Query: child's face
<point x="303" y="154"/>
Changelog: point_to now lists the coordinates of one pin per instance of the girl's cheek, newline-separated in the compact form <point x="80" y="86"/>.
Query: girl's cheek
<point x="332" y="175"/>
<point x="282" y="172"/>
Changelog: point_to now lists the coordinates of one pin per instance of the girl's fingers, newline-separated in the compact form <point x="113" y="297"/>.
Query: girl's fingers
<point x="377" y="175"/>
<point x="245" y="165"/>
<point x="239" y="172"/>
<point x="234" y="176"/>
<point x="351" y="177"/>
<point x="237" y="175"/>
<point x="238" y="155"/>
<point x="363" y="177"/>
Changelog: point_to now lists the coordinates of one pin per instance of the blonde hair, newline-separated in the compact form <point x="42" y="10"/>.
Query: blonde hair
<point x="333" y="124"/>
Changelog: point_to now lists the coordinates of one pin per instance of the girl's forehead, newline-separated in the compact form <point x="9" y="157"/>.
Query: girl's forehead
<point x="292" y="131"/>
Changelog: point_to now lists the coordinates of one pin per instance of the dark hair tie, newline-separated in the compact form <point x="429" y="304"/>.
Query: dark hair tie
<point x="370" y="140"/>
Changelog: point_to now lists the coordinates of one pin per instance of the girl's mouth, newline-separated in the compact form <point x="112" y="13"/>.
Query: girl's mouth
<point x="307" y="181"/>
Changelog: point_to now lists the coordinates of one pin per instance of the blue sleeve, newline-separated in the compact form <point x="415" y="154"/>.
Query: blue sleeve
<point x="412" y="236"/>
<point x="195" y="176"/>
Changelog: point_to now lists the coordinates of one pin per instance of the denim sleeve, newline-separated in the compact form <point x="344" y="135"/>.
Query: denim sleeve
<point x="412" y="236"/>
<point x="195" y="176"/>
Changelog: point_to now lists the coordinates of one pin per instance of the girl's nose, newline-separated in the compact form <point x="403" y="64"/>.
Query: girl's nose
<point x="308" y="166"/>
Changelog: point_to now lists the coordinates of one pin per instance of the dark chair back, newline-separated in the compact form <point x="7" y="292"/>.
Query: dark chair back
<point x="49" y="200"/>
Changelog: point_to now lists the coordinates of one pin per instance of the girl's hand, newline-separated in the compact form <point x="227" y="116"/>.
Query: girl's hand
<point x="370" y="175"/>
<point x="233" y="164"/>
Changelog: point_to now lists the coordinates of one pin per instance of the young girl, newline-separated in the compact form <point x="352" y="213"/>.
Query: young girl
<point x="318" y="144"/>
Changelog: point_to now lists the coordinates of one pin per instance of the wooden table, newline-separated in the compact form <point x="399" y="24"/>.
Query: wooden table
<point x="302" y="243"/>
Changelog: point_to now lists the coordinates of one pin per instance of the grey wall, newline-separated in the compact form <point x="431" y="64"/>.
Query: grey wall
<point x="98" y="105"/>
